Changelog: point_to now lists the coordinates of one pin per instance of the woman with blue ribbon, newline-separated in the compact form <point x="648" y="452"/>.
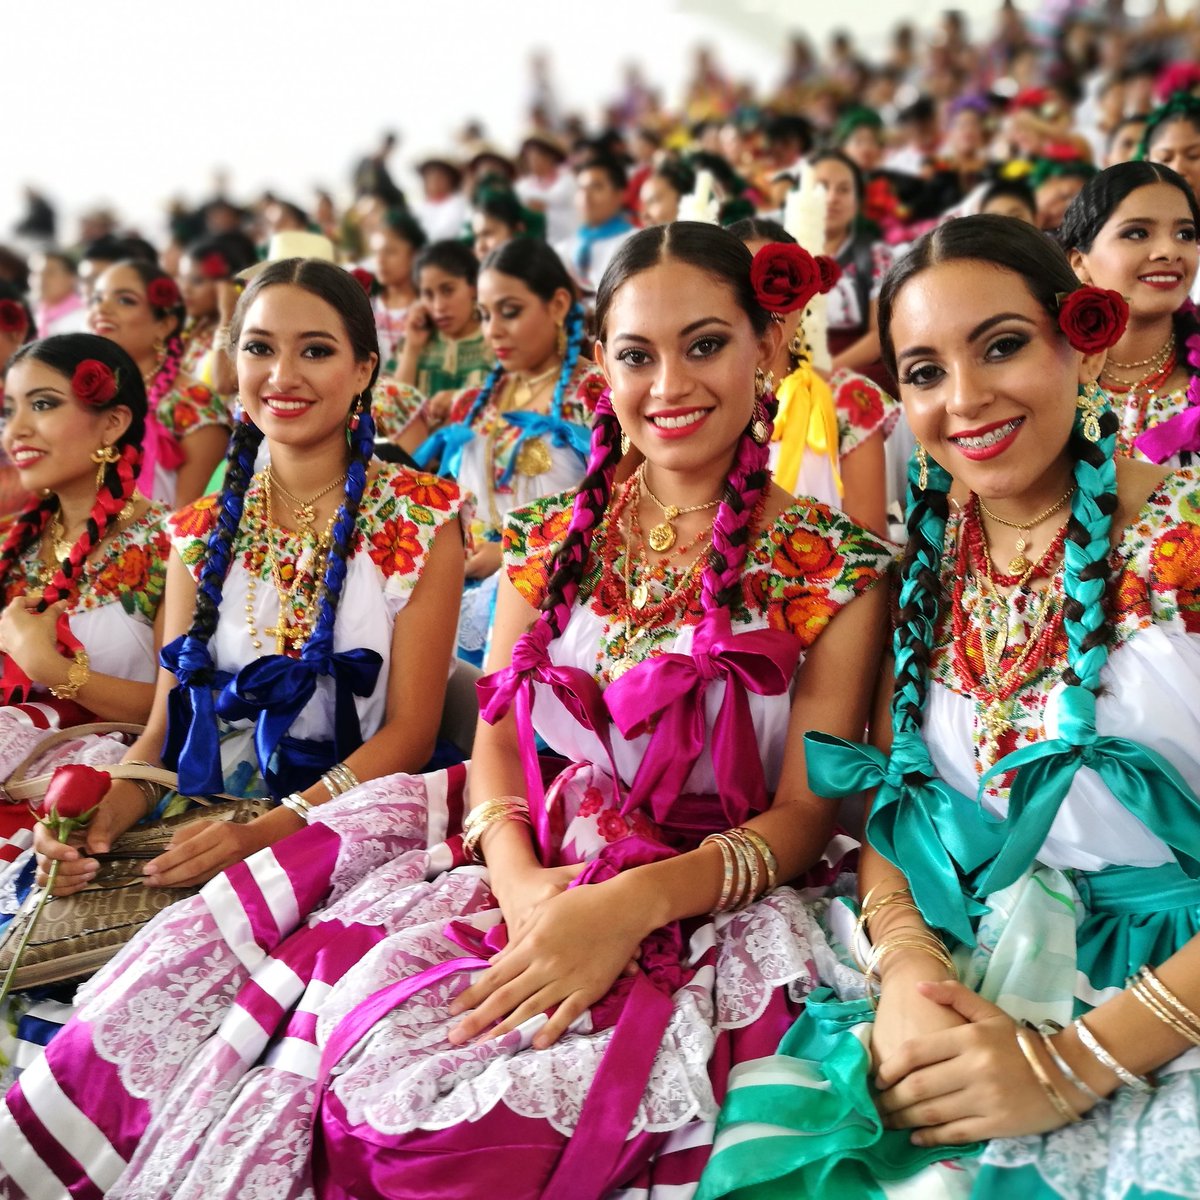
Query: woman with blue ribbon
<point x="525" y="433"/>
<point x="1031" y="887"/>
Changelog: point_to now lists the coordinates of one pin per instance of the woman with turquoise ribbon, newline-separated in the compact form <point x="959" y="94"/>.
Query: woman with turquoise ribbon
<point x="1031" y="886"/>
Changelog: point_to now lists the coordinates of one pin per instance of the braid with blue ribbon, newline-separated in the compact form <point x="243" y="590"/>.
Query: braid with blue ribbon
<point x="443" y="449"/>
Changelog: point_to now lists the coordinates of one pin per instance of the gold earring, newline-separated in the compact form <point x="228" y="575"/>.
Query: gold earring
<point x="760" y="430"/>
<point x="625" y="443"/>
<point x="922" y="467"/>
<point x="764" y="381"/>
<point x="102" y="456"/>
<point x="560" y="342"/>
<point x="1091" y="408"/>
<point x="797" y="347"/>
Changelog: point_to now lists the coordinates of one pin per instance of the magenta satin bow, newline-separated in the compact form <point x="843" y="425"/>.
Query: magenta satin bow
<point x="158" y="446"/>
<point x="1168" y="438"/>
<point x="664" y="695"/>
<point x="576" y="690"/>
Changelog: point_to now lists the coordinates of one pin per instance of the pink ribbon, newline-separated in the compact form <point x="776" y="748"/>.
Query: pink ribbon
<point x="159" y="445"/>
<point x="664" y="696"/>
<point x="1168" y="438"/>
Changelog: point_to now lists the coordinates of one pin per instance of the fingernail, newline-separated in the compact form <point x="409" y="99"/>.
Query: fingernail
<point x="91" y="866"/>
<point x="150" y="870"/>
<point x="455" y="1037"/>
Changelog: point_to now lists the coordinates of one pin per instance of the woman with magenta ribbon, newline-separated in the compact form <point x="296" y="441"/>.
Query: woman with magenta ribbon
<point x="1133" y="229"/>
<point x="525" y="433"/>
<point x="549" y="1002"/>
<point x="1031" y="884"/>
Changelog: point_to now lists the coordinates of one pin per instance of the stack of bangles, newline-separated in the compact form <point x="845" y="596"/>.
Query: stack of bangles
<point x="751" y="868"/>
<point x="152" y="792"/>
<point x="905" y="938"/>
<point x="492" y="812"/>
<point x="338" y="780"/>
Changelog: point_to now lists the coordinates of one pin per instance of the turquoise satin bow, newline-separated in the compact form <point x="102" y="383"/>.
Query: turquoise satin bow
<point x="933" y="833"/>
<point x="444" y="449"/>
<point x="553" y="429"/>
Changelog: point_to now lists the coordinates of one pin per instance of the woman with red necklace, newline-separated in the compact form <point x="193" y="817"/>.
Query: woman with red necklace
<point x="1133" y="229"/>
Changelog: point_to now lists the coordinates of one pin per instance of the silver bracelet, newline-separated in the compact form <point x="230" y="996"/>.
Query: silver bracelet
<point x="298" y="805"/>
<point x="1139" y="1083"/>
<point x="1047" y="1029"/>
<point x="339" y="779"/>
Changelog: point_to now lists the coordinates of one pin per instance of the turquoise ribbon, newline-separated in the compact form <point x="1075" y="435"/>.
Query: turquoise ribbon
<point x="445" y="448"/>
<point x="934" y="834"/>
<point x="552" y="429"/>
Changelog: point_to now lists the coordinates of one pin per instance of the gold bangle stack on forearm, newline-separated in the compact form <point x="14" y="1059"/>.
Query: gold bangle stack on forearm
<point x="901" y="897"/>
<point x="152" y="792"/>
<point x="1057" y="1099"/>
<point x="904" y="938"/>
<point x="481" y="818"/>
<point x="1165" y="1005"/>
<point x="338" y="780"/>
<point x="750" y="868"/>
<point x="78" y="674"/>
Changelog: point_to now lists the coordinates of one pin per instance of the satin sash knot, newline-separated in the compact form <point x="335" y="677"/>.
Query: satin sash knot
<point x="550" y="428"/>
<point x="1171" y="437"/>
<point x="158" y="446"/>
<point x="444" y="449"/>
<point x="193" y="747"/>
<point x="664" y="696"/>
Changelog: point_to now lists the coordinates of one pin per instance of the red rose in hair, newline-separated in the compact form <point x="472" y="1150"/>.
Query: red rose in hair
<point x="830" y="273"/>
<point x="214" y="266"/>
<point x="1093" y="318"/>
<point x="93" y="383"/>
<point x="784" y="277"/>
<point x="365" y="278"/>
<point x="162" y="293"/>
<point x="13" y="318"/>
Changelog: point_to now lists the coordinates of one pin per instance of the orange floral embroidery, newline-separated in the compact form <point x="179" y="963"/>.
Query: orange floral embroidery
<point x="862" y="403"/>
<point x="428" y="490"/>
<point x="197" y="520"/>
<point x="127" y="573"/>
<point x="1175" y="567"/>
<point x="396" y="547"/>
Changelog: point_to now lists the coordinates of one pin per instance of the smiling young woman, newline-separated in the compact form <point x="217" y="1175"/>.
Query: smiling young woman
<point x="1133" y="229"/>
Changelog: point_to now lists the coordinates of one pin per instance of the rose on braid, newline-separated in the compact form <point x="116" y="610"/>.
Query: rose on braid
<point x="365" y="279"/>
<point x="12" y="317"/>
<point x="162" y="293"/>
<point x="830" y="273"/>
<point x="1093" y="318"/>
<point x="784" y="277"/>
<point x="93" y="383"/>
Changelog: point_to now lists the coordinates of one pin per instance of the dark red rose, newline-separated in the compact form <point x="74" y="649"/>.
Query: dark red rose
<point x="784" y="277"/>
<point x="1093" y="318"/>
<point x="214" y="266"/>
<point x="74" y="792"/>
<point x="93" y="383"/>
<point x="830" y="273"/>
<point x="13" y="318"/>
<point x="365" y="278"/>
<point x="162" y="293"/>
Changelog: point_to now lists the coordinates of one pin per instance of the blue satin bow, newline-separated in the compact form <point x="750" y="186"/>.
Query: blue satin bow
<point x="274" y="689"/>
<point x="192" y="747"/>
<point x="553" y="429"/>
<point x="444" y="449"/>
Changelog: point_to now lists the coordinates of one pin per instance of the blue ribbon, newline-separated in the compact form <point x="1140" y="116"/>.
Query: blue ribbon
<point x="590" y="234"/>
<point x="445" y="448"/>
<point x="192" y="746"/>
<point x="552" y="429"/>
<point x="274" y="689"/>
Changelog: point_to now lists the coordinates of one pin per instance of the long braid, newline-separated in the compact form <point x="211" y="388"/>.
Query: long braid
<point x="120" y="479"/>
<point x="165" y="376"/>
<point x="24" y="531"/>
<point x="575" y="325"/>
<point x="485" y="393"/>
<point x="320" y="643"/>
<point x="591" y="503"/>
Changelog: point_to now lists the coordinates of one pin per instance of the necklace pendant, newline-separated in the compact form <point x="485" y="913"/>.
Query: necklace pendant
<point x="620" y="667"/>
<point x="995" y="720"/>
<point x="1018" y="564"/>
<point x="662" y="536"/>
<point x="640" y="597"/>
<point x="533" y="458"/>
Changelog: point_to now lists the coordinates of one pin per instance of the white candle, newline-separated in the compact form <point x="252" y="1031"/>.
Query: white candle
<point x="804" y="218"/>
<point x="701" y="204"/>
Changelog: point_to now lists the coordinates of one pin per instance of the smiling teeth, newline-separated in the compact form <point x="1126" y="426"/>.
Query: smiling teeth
<point x="679" y="422"/>
<point x="28" y="456"/>
<point x="288" y="405"/>
<point x="988" y="439"/>
<point x="1159" y="278"/>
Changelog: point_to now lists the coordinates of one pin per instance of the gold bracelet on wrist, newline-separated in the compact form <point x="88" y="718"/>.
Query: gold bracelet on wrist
<point x="77" y="675"/>
<point x="338" y="780"/>
<point x="484" y="816"/>
<point x="1056" y="1098"/>
<point x="759" y="843"/>
<point x="1165" y="1005"/>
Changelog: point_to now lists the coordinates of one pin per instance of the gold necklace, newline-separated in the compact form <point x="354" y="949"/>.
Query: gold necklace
<point x="1019" y="564"/>
<point x="305" y="510"/>
<point x="1158" y="358"/>
<point x="522" y="388"/>
<point x="662" y="536"/>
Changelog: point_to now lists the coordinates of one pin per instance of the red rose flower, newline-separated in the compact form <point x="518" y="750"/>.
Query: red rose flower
<point x="214" y="266"/>
<point x="74" y="792"/>
<point x="829" y="272"/>
<point x="163" y="293"/>
<point x="13" y="318"/>
<point x="365" y="279"/>
<point x="93" y="383"/>
<point x="1093" y="318"/>
<point x="784" y="277"/>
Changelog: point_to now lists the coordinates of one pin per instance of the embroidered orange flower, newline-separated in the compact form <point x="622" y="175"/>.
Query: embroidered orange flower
<point x="1130" y="599"/>
<point x="804" y="613"/>
<point x="804" y="554"/>
<point x="128" y="573"/>
<point x="396" y="548"/>
<point x="197" y="520"/>
<point x="1175" y="567"/>
<point x="425" y="489"/>
<point x="861" y="402"/>
<point x="184" y="416"/>
<point x="549" y="532"/>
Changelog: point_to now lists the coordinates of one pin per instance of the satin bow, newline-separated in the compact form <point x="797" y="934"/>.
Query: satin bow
<point x="553" y="429"/>
<point x="1139" y="778"/>
<point x="573" y="687"/>
<point x="807" y="420"/>
<point x="933" y="833"/>
<point x="1172" y="436"/>
<point x="274" y="689"/>
<point x="445" y="448"/>
<point x="158" y="446"/>
<point x="665" y="694"/>
<point x="192" y="746"/>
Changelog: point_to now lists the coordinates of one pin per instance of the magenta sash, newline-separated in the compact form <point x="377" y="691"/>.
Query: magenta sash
<point x="664" y="696"/>
<point x="158" y="446"/>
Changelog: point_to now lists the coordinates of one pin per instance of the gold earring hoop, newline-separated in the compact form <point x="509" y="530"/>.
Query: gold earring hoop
<point x="1091" y="408"/>
<point x="922" y="467"/>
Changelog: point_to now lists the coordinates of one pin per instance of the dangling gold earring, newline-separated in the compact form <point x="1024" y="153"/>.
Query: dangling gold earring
<point x="760" y="429"/>
<point x="1091" y="407"/>
<point x="560" y="343"/>
<point x="764" y="381"/>
<point x="102" y="457"/>
<point x="625" y="443"/>
<point x="922" y="467"/>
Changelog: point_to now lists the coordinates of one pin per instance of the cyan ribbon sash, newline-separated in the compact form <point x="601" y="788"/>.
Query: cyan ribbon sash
<point x="274" y="689"/>
<point x="933" y="833"/>
<point x="444" y="448"/>
<point x="589" y="235"/>
<point x="1139" y="778"/>
<point x="1172" y="436"/>
<point x="192" y="745"/>
<point x="552" y="429"/>
<point x="665" y="694"/>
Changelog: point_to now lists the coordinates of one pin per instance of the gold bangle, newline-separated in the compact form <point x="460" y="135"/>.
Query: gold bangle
<point x="77" y="675"/>
<point x="1140" y="991"/>
<point x="1164" y="993"/>
<point x="770" y="862"/>
<point x="727" y="882"/>
<point x="901" y="896"/>
<point x="1139" y="1083"/>
<point x="912" y="941"/>
<point x="491" y="812"/>
<point x="750" y="872"/>
<point x="338" y="780"/>
<point x="1040" y="1073"/>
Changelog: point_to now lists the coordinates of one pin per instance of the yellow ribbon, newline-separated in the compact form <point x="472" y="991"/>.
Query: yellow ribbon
<point x="806" y="421"/>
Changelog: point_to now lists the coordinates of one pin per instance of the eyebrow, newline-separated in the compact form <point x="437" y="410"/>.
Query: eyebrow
<point x="1154" y="221"/>
<point x="45" y="391"/>
<point x="310" y="333"/>
<point x="975" y="334"/>
<point x="636" y="337"/>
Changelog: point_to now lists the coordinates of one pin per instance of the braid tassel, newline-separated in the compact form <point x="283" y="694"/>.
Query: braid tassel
<point x="575" y="327"/>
